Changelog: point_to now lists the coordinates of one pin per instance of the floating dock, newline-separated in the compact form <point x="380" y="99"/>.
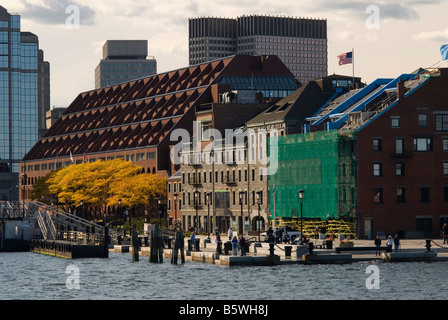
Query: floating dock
<point x="44" y="229"/>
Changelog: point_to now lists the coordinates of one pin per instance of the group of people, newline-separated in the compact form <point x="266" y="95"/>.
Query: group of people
<point x="389" y="242"/>
<point x="236" y="242"/>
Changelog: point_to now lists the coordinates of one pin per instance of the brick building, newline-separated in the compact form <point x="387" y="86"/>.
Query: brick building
<point x="134" y="120"/>
<point x="401" y="151"/>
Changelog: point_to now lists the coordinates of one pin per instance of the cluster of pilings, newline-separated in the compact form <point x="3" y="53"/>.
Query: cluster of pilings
<point x="156" y="249"/>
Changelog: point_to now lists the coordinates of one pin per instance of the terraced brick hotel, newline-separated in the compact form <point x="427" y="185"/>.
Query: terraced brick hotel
<point x="133" y="120"/>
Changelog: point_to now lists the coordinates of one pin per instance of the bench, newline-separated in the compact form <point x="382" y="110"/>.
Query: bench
<point x="319" y="243"/>
<point x="387" y="249"/>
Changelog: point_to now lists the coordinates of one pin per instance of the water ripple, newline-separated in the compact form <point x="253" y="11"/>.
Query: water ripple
<point x="34" y="277"/>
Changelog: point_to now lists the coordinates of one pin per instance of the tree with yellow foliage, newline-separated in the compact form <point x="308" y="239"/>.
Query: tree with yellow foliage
<point x="100" y="184"/>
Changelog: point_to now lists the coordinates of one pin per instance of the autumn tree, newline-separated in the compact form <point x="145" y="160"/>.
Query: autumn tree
<point x="100" y="184"/>
<point x="40" y="190"/>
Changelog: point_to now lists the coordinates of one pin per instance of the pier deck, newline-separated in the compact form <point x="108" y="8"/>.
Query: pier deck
<point x="410" y="250"/>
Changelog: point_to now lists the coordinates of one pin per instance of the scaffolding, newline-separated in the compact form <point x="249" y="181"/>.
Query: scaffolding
<point x="331" y="228"/>
<point x="323" y="164"/>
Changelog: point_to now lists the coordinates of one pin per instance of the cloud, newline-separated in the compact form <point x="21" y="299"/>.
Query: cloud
<point x="54" y="12"/>
<point x="440" y="36"/>
<point x="357" y="9"/>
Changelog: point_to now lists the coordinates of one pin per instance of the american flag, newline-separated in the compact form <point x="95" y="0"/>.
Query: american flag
<point x="345" y="58"/>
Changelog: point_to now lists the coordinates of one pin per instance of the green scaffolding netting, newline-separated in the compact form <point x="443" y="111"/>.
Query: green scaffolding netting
<point x="321" y="163"/>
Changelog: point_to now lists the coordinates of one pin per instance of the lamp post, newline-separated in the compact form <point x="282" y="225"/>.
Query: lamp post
<point x="259" y="195"/>
<point x="209" y="197"/>
<point x="175" y="211"/>
<point x="196" y="204"/>
<point x="301" y="192"/>
<point x="82" y="208"/>
<point x="159" y="202"/>
<point x="241" y="204"/>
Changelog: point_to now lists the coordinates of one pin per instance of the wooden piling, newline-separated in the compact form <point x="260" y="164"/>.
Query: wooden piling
<point x="156" y="255"/>
<point x="135" y="246"/>
<point x="178" y="246"/>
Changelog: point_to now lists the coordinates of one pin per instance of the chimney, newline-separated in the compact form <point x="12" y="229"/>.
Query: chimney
<point x="400" y="89"/>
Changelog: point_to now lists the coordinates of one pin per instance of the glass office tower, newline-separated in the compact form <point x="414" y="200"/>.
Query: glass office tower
<point x="18" y="100"/>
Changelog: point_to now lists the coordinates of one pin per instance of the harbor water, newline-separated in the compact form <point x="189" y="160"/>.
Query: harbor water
<point x="31" y="276"/>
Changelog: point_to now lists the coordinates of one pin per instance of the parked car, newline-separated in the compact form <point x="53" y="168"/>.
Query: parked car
<point x="288" y="234"/>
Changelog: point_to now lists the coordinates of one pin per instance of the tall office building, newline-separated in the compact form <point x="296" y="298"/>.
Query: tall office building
<point x="300" y="43"/>
<point x="43" y="88"/>
<point x="124" y="60"/>
<point x="18" y="100"/>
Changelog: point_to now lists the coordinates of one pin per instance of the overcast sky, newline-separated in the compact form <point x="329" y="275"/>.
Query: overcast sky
<point x="389" y="37"/>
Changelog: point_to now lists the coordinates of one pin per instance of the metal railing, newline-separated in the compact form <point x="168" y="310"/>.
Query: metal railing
<point x="57" y="224"/>
<point x="46" y="225"/>
<point x="13" y="210"/>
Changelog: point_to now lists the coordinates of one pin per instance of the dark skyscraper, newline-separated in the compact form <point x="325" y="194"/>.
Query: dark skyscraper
<point x="43" y="92"/>
<point x="300" y="43"/>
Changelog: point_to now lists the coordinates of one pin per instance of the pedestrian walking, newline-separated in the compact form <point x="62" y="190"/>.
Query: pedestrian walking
<point x="235" y="246"/>
<point x="229" y="233"/>
<point x="242" y="245"/>
<point x="192" y="241"/>
<point x="445" y="233"/>
<point x="218" y="244"/>
<point x="390" y="242"/>
<point x="396" y="242"/>
<point x="378" y="245"/>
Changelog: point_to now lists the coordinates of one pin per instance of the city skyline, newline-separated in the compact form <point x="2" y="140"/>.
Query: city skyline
<point x="388" y="38"/>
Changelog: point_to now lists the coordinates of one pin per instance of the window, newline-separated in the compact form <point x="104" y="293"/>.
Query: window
<point x="377" y="169"/>
<point x="441" y="122"/>
<point x="424" y="224"/>
<point x="399" y="146"/>
<point x="445" y="168"/>
<point x="422" y="121"/>
<point x="401" y="194"/>
<point x="445" y="144"/>
<point x="377" y="144"/>
<point x="422" y="144"/>
<point x="378" y="195"/>
<point x="399" y="169"/>
<point x="424" y="194"/>
<point x="395" y="122"/>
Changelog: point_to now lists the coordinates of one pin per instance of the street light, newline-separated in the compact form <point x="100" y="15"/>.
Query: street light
<point x="259" y="195"/>
<point x="196" y="204"/>
<point x="175" y="210"/>
<point x="209" y="197"/>
<point x="301" y="192"/>
<point x="82" y="208"/>
<point x="241" y="204"/>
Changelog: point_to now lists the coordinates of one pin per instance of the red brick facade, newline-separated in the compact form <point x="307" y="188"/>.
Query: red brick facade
<point x="406" y="190"/>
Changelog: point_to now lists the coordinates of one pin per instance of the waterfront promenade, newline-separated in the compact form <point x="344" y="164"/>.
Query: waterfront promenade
<point x="410" y="250"/>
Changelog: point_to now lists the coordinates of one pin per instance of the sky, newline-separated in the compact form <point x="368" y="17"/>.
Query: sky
<point x="389" y="38"/>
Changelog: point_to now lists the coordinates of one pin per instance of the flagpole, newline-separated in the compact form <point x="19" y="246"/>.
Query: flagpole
<point x="353" y="67"/>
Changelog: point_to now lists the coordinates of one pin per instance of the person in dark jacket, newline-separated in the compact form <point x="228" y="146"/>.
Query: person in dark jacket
<point x="445" y="233"/>
<point x="396" y="242"/>
<point x="242" y="242"/>
<point x="378" y="245"/>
